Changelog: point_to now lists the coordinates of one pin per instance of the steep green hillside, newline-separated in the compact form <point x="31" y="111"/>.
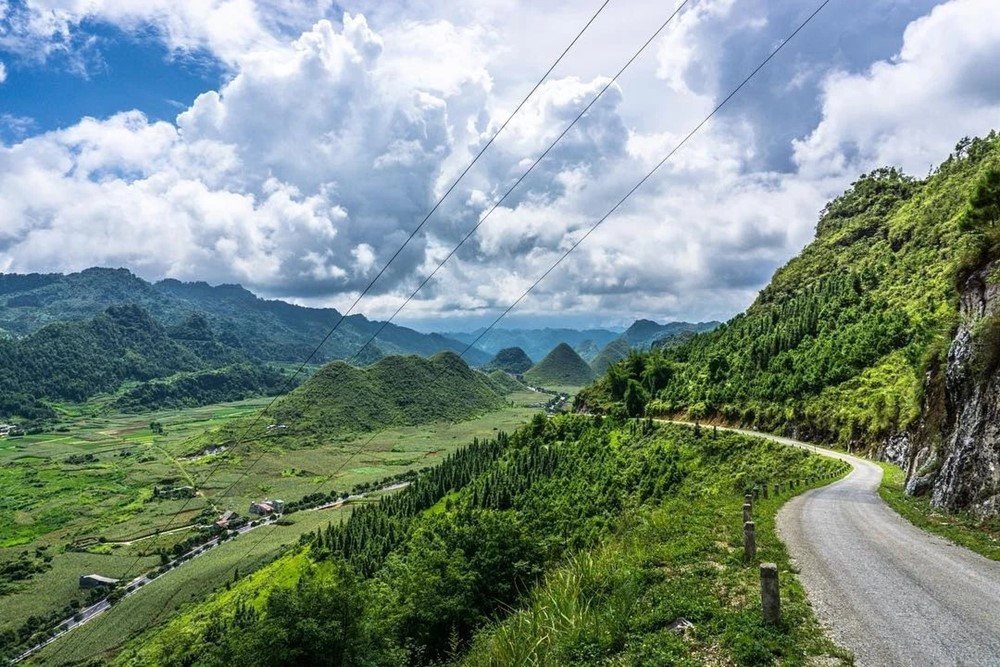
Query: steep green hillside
<point x="836" y="346"/>
<point x="560" y="367"/>
<point x="613" y="352"/>
<point x="186" y="390"/>
<point x="340" y="400"/>
<point x="72" y="361"/>
<point x="510" y="360"/>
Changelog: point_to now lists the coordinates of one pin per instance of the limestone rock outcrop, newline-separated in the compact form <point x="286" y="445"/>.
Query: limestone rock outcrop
<point x="954" y="453"/>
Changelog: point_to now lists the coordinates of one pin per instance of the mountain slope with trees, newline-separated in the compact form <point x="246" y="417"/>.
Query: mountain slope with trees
<point x="72" y="361"/>
<point x="561" y="367"/>
<point x="838" y="346"/>
<point x="341" y="400"/>
<point x="510" y="360"/>
<point x="70" y="337"/>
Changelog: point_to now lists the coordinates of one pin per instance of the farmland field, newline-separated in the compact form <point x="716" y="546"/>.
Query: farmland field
<point x="192" y="581"/>
<point x="82" y="497"/>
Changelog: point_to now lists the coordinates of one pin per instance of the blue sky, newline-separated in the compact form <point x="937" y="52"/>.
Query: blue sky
<point x="121" y="71"/>
<point x="291" y="146"/>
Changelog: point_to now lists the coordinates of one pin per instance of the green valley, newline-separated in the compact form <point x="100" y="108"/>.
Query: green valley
<point x="531" y="334"/>
<point x="424" y="574"/>
<point x="108" y="492"/>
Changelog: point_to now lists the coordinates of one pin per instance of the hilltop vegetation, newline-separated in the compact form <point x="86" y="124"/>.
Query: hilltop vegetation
<point x="188" y="390"/>
<point x="510" y="360"/>
<point x="836" y="346"/>
<point x="341" y="400"/>
<point x="72" y="361"/>
<point x="534" y="521"/>
<point x="560" y="367"/>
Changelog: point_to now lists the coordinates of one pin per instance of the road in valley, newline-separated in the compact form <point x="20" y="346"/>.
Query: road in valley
<point x="135" y="585"/>
<point x="891" y="593"/>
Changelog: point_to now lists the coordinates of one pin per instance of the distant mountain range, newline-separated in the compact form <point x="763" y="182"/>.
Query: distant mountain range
<point x="536" y="343"/>
<point x="262" y="329"/>
<point x="69" y="337"/>
<point x="588" y="343"/>
<point x="646" y="333"/>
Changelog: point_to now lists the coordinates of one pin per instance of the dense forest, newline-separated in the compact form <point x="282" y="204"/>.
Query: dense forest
<point x="229" y="383"/>
<point x="72" y="361"/>
<point x="424" y="575"/>
<point x="837" y="345"/>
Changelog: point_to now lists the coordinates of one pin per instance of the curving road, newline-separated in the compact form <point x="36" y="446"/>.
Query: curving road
<point x="891" y="593"/>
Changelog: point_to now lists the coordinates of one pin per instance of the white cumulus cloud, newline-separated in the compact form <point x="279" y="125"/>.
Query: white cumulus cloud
<point x="910" y="110"/>
<point x="332" y="137"/>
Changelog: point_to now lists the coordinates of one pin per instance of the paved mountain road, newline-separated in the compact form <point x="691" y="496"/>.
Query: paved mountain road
<point x="891" y="593"/>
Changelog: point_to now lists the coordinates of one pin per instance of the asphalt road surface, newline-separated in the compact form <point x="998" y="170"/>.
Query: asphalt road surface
<point x="891" y="593"/>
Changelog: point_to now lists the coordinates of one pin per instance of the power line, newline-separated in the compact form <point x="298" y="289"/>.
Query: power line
<point x="482" y="220"/>
<point x="469" y="235"/>
<point x="623" y="199"/>
<point x="597" y="224"/>
<point x="287" y="384"/>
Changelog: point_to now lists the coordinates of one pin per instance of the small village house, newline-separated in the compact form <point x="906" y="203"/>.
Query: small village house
<point x="96" y="581"/>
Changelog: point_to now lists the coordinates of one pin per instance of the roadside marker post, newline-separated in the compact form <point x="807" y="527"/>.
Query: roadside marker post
<point x="749" y="542"/>
<point x="769" y="600"/>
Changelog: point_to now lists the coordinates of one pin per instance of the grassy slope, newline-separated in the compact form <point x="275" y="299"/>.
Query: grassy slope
<point x="981" y="536"/>
<point x="616" y="604"/>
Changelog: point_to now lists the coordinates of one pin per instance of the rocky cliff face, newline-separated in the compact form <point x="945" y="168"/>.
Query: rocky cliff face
<point x="954" y="451"/>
